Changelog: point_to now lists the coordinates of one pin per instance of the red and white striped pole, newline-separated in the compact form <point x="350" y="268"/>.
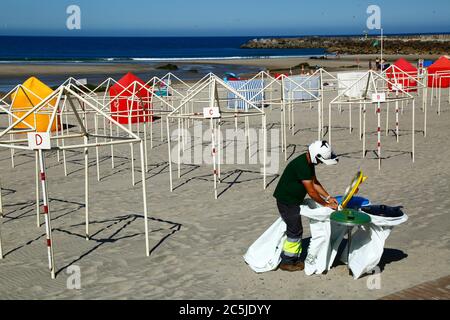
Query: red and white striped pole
<point x="46" y="212"/>
<point x="213" y="153"/>
<point x="379" y="135"/>
<point x="396" y="120"/>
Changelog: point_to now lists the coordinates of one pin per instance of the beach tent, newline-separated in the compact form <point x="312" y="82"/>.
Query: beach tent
<point x="252" y="90"/>
<point x="30" y="94"/>
<point x="404" y="77"/>
<point x="371" y="89"/>
<point x="207" y="102"/>
<point x="80" y="108"/>
<point x="127" y="107"/>
<point x="439" y="73"/>
<point x="356" y="81"/>
<point x="310" y="83"/>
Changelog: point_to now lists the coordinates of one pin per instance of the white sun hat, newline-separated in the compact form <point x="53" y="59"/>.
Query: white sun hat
<point x="320" y="151"/>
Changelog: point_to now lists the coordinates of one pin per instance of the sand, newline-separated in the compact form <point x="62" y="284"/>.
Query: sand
<point x="198" y="242"/>
<point x="17" y="69"/>
<point x="49" y="69"/>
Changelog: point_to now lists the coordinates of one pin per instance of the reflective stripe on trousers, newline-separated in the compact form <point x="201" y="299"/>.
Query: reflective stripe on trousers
<point x="292" y="247"/>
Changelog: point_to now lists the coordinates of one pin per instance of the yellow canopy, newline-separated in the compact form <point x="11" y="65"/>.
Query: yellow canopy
<point x="24" y="100"/>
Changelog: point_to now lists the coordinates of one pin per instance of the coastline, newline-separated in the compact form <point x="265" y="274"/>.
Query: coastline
<point x="192" y="69"/>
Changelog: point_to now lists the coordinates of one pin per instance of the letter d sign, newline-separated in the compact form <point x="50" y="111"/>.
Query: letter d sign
<point x="39" y="140"/>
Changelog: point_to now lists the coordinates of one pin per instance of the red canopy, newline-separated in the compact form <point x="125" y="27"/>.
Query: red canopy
<point x="439" y="73"/>
<point x="401" y="72"/>
<point x="405" y="65"/>
<point x="123" y="108"/>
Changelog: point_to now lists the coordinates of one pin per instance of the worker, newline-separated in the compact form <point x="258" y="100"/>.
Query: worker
<point x="298" y="180"/>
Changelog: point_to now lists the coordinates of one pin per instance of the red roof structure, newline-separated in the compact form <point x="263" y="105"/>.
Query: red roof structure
<point x="128" y="102"/>
<point x="439" y="73"/>
<point x="401" y="72"/>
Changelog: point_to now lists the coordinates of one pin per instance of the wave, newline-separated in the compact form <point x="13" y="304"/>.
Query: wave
<point x="228" y="57"/>
<point x="149" y="59"/>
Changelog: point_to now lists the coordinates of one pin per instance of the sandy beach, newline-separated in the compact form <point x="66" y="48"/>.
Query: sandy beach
<point x="197" y="243"/>
<point x="16" y="69"/>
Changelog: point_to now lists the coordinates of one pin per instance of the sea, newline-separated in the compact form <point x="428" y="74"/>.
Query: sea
<point x="137" y="50"/>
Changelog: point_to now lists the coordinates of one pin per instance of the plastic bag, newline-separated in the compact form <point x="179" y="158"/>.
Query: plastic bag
<point x="368" y="244"/>
<point x="264" y="254"/>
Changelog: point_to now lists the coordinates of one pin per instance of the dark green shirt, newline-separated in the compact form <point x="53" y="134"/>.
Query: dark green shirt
<point x="290" y="189"/>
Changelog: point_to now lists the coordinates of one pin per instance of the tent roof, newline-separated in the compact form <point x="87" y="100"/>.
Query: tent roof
<point x="23" y="99"/>
<point x="125" y="81"/>
<point x="441" y="64"/>
<point x="405" y="65"/>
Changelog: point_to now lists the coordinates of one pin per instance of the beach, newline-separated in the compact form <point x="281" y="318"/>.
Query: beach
<point x="197" y="243"/>
<point x="15" y="72"/>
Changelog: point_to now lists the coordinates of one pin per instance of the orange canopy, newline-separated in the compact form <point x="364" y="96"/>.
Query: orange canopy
<point x="23" y="100"/>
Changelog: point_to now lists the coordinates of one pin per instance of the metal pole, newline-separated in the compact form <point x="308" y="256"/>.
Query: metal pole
<point x="48" y="227"/>
<point x="170" y="154"/>
<point x="350" y="117"/>
<point x="360" y="121"/>
<point x="144" y="197"/>
<point x="112" y="146"/>
<point x="413" y="129"/>
<point x="387" y="119"/>
<point x="319" y="119"/>
<point x="425" y="112"/>
<point x="1" y="222"/>
<point x="96" y="148"/>
<point x="145" y="144"/>
<point x="213" y="152"/>
<point x="364" y="130"/>
<point x="38" y="213"/>
<point x="264" y="151"/>
<point x="439" y="95"/>
<point x="379" y="134"/>
<point x="219" y="152"/>
<point x="63" y="143"/>
<point x="396" y="120"/>
<point x="86" y="186"/>
<point x="179" y="148"/>
<point x="329" y="122"/>
<point x="133" y="182"/>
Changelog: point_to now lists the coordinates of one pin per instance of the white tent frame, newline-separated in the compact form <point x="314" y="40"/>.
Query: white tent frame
<point x="421" y="88"/>
<point x="20" y="144"/>
<point x="436" y="88"/>
<point x="372" y="78"/>
<point x="286" y="103"/>
<point x="211" y="83"/>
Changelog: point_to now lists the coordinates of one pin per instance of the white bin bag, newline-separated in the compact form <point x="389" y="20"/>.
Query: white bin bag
<point x="319" y="247"/>
<point x="264" y="254"/>
<point x="368" y="244"/>
<point x="338" y="233"/>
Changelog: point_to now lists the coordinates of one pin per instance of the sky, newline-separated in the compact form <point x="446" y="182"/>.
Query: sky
<point x="220" y="17"/>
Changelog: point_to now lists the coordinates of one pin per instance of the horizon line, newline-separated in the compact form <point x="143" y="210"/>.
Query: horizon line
<point x="225" y="36"/>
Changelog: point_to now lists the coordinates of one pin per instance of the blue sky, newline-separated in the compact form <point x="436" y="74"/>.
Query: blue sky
<point x="219" y="17"/>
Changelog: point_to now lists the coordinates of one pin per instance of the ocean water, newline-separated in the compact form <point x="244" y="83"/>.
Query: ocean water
<point x="148" y="51"/>
<point x="88" y="49"/>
